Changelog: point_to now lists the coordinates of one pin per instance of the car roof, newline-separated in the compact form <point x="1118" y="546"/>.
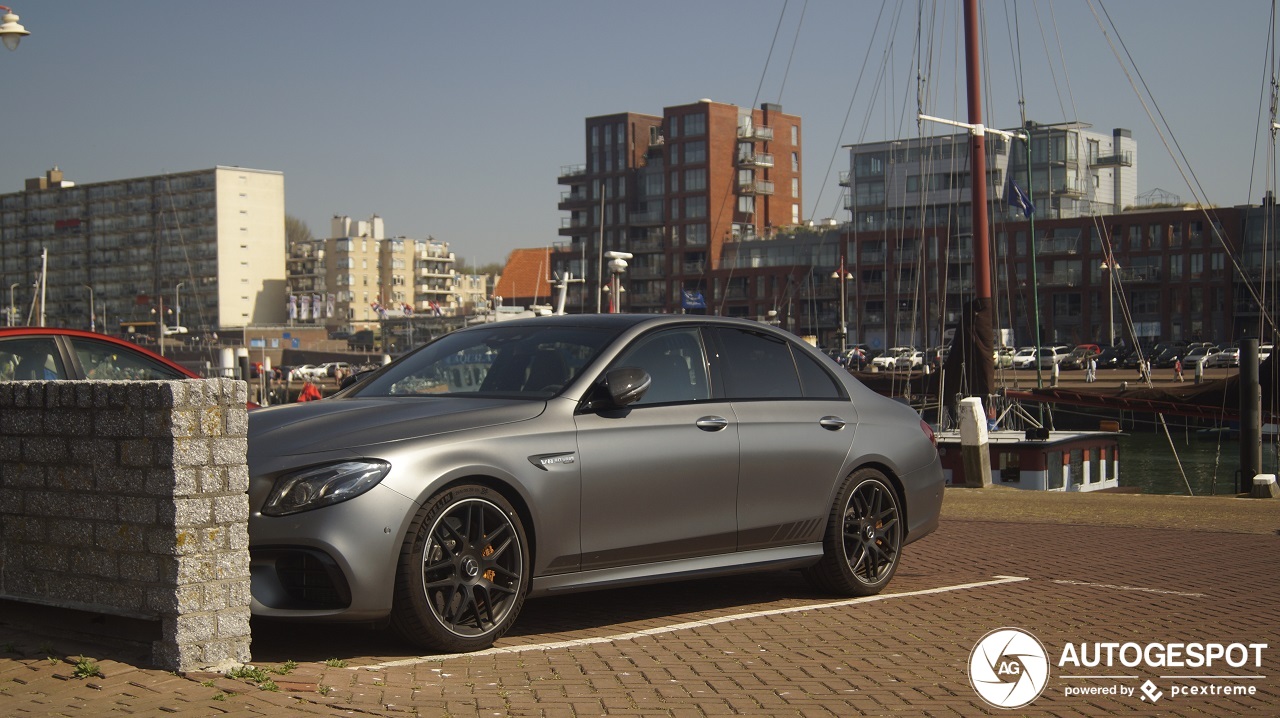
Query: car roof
<point x="6" y="332"/>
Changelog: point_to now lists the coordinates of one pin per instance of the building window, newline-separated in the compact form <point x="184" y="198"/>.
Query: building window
<point x="795" y="161"/>
<point x="695" y="207"/>
<point x="795" y="186"/>
<point x="795" y="134"/>
<point x="695" y="179"/>
<point x="795" y="214"/>
<point x="695" y="152"/>
<point x="695" y="125"/>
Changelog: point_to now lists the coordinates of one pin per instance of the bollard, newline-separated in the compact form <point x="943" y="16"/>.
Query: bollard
<point x="974" y="442"/>
<point x="1264" y="487"/>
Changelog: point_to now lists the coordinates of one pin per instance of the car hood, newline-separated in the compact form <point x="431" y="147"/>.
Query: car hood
<point x="338" y="424"/>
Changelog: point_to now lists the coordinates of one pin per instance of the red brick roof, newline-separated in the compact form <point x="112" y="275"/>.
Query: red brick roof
<point x="524" y="280"/>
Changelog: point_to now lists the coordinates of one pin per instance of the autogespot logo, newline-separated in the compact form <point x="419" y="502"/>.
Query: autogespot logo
<point x="1009" y="668"/>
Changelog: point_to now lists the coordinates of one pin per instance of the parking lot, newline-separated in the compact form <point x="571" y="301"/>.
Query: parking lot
<point x="1078" y="570"/>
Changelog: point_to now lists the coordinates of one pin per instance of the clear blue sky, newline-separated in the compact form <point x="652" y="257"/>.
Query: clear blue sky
<point x="454" y="119"/>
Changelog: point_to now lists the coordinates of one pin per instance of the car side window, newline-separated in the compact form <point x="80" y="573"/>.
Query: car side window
<point x="103" y="361"/>
<point x="31" y="359"/>
<point x="818" y="382"/>
<point x="757" y="366"/>
<point x="676" y="365"/>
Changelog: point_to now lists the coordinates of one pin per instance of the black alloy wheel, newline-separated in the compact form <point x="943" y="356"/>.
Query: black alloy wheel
<point x="863" y="541"/>
<point x="462" y="577"/>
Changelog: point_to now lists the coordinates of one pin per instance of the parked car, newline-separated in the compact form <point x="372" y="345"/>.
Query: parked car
<point x="534" y="456"/>
<point x="889" y="360"/>
<point x="1112" y="357"/>
<point x="909" y="361"/>
<point x="49" y="354"/>
<point x="1197" y="354"/>
<point x="1003" y="357"/>
<point x="1079" y="355"/>
<point x="1024" y="358"/>
<point x="1224" y="357"/>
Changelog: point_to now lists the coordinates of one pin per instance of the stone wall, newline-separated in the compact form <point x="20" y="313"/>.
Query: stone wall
<point x="129" y="498"/>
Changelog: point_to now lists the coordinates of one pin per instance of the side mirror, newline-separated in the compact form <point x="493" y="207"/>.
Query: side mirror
<point x="626" y="385"/>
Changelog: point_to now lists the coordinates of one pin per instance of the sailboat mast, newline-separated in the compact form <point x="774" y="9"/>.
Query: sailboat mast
<point x="981" y="369"/>
<point x="977" y="156"/>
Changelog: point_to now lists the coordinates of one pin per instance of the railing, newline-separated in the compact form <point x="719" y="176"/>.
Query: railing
<point x="755" y="187"/>
<point x="755" y="132"/>
<point x="1118" y="159"/>
<point x="756" y="159"/>
<point x="571" y="171"/>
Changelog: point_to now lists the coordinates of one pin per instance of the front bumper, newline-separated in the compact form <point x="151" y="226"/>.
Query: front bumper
<point x="337" y="562"/>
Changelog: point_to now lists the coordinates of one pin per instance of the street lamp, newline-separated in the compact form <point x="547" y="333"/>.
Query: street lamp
<point x="1110" y="267"/>
<point x="11" y="31"/>
<point x="843" y="277"/>
<point x="13" y="311"/>
<point x="92" y="325"/>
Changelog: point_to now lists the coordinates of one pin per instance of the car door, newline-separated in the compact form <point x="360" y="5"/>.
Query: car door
<point x="659" y="477"/>
<point x="795" y="424"/>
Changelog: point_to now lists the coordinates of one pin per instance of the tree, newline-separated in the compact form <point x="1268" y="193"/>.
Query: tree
<point x="296" y="231"/>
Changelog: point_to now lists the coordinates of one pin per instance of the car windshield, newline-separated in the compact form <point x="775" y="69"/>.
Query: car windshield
<point x="533" y="362"/>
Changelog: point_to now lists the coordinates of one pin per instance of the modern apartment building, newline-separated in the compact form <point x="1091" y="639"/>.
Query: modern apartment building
<point x="672" y="190"/>
<point x="924" y="182"/>
<point x="207" y="246"/>
<point x="359" y="276"/>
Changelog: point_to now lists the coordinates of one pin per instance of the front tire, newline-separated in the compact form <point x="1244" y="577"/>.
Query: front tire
<point x="863" y="541"/>
<point x="463" y="571"/>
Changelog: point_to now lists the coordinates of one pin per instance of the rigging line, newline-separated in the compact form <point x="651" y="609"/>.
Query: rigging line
<point x="1053" y="74"/>
<point x="849" y="111"/>
<point x="733" y="178"/>
<point x="1180" y="162"/>
<point x="1066" y="74"/>
<point x="794" y="42"/>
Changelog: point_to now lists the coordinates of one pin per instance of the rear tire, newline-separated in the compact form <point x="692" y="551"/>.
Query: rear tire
<point x="463" y="571"/>
<point x="863" y="540"/>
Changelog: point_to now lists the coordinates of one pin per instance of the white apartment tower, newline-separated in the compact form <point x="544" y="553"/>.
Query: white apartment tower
<point x="208" y="246"/>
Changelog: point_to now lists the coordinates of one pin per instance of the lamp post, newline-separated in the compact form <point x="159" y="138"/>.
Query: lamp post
<point x="11" y="31"/>
<point x="1110" y="267"/>
<point x="843" y="278"/>
<point x="13" y="311"/>
<point x="177" y="306"/>
<point x="92" y="323"/>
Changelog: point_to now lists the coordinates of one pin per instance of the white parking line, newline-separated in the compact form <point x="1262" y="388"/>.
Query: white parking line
<point x="689" y="625"/>
<point x="1114" y="587"/>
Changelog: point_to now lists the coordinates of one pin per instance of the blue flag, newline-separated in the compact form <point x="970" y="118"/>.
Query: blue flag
<point x="1018" y="198"/>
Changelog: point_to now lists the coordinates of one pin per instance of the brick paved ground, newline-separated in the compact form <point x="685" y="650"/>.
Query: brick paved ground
<point x="759" y="645"/>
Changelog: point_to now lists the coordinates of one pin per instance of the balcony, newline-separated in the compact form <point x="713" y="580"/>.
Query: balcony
<point x="844" y="179"/>
<point x="755" y="133"/>
<point x="1119" y="159"/>
<point x="1060" y="279"/>
<point x="644" y="272"/>
<point x="651" y="243"/>
<point x="573" y="199"/>
<point x="755" y="159"/>
<point x="573" y="174"/>
<point x="760" y="187"/>
<point x="647" y="218"/>
<point x="434" y="272"/>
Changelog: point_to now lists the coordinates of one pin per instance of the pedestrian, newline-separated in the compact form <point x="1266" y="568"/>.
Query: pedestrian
<point x="1091" y="369"/>
<point x="1177" y="369"/>
<point x="310" y="392"/>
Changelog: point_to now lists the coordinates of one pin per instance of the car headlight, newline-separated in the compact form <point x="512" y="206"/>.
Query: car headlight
<point x="323" y="486"/>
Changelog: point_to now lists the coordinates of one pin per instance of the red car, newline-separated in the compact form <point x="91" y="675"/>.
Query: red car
<point x="48" y="353"/>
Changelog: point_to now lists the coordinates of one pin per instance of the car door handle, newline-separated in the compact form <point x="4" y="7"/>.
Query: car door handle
<point x="831" y="423"/>
<point x="712" y="423"/>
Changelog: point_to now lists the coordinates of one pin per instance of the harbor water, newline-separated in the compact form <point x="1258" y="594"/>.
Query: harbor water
<point x="1150" y="460"/>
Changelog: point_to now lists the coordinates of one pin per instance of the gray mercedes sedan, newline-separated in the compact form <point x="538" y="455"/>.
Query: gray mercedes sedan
<point x="542" y="456"/>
